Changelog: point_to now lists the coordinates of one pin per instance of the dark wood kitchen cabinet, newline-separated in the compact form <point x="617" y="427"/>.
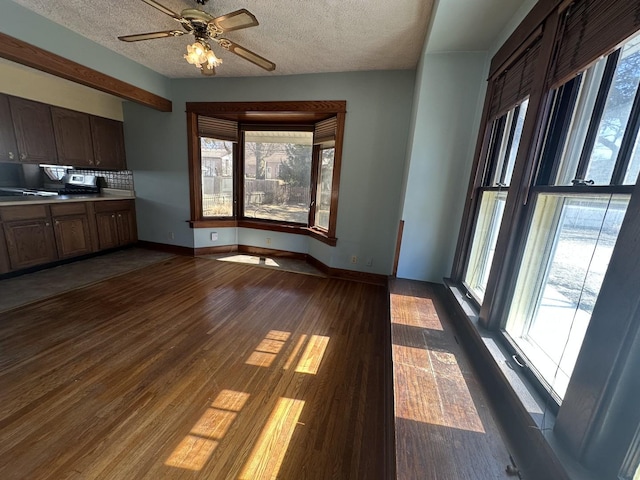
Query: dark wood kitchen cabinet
<point x="72" y="132"/>
<point x="71" y="227"/>
<point x="108" y="143"/>
<point x="29" y="235"/>
<point x="8" y="147"/>
<point x="116" y="223"/>
<point x="4" y="256"/>
<point x="33" y="130"/>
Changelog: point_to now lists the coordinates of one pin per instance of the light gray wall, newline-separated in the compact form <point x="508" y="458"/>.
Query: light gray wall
<point x="376" y="132"/>
<point x="449" y="91"/>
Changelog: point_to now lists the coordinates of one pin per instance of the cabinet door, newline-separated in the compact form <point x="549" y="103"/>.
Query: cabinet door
<point x="8" y="148"/>
<point x="34" y="131"/>
<point x="126" y="227"/>
<point x="107" y="230"/>
<point x="108" y="143"/>
<point x="4" y="256"/>
<point x="73" y="137"/>
<point x="72" y="235"/>
<point x="29" y="243"/>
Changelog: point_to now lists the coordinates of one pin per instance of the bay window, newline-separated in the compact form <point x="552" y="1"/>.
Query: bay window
<point x="266" y="165"/>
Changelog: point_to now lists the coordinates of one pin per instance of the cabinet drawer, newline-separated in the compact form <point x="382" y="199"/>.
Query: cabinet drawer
<point x="23" y="212"/>
<point x="113" y="205"/>
<point x="61" y="209"/>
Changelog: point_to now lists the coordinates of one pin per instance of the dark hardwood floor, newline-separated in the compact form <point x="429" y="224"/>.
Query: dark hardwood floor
<point x="193" y="368"/>
<point x="444" y="426"/>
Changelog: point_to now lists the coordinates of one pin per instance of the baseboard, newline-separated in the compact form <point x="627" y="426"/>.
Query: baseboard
<point x="363" y="277"/>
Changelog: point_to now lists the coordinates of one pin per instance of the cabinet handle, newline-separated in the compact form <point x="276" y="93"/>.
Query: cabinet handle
<point x="119" y="216"/>
<point x="23" y="156"/>
<point x="113" y="215"/>
<point x="47" y="224"/>
<point x="57" y="222"/>
<point x="97" y="162"/>
<point x="11" y="156"/>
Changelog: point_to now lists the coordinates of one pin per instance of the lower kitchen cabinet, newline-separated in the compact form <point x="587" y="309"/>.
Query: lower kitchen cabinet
<point x="29" y="236"/>
<point x="32" y="235"/>
<point x="4" y="256"/>
<point x="71" y="227"/>
<point x="116" y="223"/>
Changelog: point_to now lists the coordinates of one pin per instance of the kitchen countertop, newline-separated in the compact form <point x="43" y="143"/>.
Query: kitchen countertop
<point x="107" y="194"/>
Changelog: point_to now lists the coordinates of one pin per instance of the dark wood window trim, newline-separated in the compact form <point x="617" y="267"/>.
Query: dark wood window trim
<point x="597" y="394"/>
<point x="271" y="115"/>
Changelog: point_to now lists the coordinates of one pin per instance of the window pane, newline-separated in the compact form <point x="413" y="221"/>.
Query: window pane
<point x="217" y="177"/>
<point x="517" y="133"/>
<point x="567" y="254"/>
<point x="580" y="120"/>
<point x="484" y="242"/>
<point x="277" y="175"/>
<point x="323" y="194"/>
<point x="634" y="165"/>
<point x="616" y="114"/>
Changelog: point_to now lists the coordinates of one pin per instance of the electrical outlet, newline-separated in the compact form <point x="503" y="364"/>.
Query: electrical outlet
<point x="170" y="235"/>
<point x="268" y="240"/>
<point x="369" y="262"/>
<point x="214" y="236"/>
<point x="354" y="259"/>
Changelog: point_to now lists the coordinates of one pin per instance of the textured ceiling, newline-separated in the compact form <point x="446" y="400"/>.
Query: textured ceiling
<point x="300" y="36"/>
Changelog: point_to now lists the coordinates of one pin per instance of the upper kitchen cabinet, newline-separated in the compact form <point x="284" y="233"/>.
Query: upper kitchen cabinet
<point x="34" y="131"/>
<point x="8" y="148"/>
<point x="73" y="137"/>
<point x="108" y="144"/>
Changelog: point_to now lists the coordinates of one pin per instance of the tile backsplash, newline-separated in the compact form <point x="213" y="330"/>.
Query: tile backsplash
<point x="122" y="179"/>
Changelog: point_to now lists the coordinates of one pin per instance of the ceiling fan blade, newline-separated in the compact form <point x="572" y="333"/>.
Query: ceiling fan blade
<point x="242" y="18"/>
<point x="151" y="35"/>
<point x="163" y="9"/>
<point x="247" y="54"/>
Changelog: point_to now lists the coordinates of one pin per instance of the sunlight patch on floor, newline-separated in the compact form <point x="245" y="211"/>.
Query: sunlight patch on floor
<point x="270" y="449"/>
<point x="250" y="259"/>
<point x="314" y="353"/>
<point x="195" y="449"/>
<point x="430" y="388"/>
<point x="268" y="349"/>
<point x="415" y="312"/>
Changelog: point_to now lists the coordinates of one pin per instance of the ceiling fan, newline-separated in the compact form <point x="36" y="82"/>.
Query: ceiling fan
<point x="205" y="27"/>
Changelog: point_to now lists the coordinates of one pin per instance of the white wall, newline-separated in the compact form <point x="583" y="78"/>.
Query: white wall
<point x="449" y="91"/>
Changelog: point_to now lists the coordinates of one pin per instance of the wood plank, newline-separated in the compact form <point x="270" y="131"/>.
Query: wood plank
<point x="444" y="427"/>
<point x="26" y="54"/>
<point x="147" y="375"/>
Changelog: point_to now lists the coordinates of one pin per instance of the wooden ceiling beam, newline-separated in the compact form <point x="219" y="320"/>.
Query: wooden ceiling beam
<point x="26" y="54"/>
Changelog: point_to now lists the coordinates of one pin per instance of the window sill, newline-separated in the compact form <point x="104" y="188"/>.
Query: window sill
<point x="266" y="225"/>
<point x="524" y="413"/>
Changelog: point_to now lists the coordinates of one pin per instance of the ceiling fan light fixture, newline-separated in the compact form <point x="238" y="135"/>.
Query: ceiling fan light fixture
<point x="200" y="54"/>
